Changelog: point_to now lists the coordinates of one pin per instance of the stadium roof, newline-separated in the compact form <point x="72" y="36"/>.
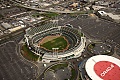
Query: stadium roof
<point x="103" y="67"/>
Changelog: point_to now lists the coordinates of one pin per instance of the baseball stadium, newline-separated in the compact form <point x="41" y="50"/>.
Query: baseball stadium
<point x="53" y="42"/>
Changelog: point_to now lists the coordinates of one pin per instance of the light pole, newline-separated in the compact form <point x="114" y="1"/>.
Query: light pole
<point x="55" y="51"/>
<point x="80" y="28"/>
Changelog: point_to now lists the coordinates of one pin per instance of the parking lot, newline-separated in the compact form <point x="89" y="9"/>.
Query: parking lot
<point x="94" y="27"/>
<point x="12" y="66"/>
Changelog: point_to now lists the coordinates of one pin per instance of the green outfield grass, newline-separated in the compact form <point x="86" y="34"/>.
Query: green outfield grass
<point x="59" y="42"/>
<point x="29" y="54"/>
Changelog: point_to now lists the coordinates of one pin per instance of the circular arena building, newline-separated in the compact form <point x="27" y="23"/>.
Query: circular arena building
<point x="100" y="67"/>
<point x="54" y="43"/>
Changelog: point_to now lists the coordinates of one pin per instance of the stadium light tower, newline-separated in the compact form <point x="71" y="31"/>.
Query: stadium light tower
<point x="80" y="28"/>
<point x="57" y="20"/>
<point x="59" y="28"/>
<point x="55" y="51"/>
<point x="38" y="59"/>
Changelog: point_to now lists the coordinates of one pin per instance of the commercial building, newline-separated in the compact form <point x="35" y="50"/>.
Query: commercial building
<point x="6" y="25"/>
<point x="109" y="16"/>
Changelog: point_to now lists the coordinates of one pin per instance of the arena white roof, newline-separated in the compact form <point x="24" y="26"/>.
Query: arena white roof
<point x="103" y="67"/>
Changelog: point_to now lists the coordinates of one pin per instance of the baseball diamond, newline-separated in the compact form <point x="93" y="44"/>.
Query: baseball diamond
<point x="59" y="42"/>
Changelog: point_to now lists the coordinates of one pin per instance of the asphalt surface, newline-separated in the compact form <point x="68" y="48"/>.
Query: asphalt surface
<point x="12" y="66"/>
<point x="58" y="75"/>
<point x="94" y="28"/>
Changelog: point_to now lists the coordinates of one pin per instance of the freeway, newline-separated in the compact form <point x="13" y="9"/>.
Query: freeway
<point x="44" y="10"/>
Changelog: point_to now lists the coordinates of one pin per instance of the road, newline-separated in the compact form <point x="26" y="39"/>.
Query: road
<point x="45" y="10"/>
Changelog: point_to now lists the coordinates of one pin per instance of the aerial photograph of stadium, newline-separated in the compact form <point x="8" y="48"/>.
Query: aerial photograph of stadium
<point x="59" y="39"/>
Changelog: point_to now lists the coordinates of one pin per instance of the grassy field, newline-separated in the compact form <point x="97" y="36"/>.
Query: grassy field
<point x="59" y="42"/>
<point x="73" y="74"/>
<point x="28" y="54"/>
<point x="59" y="66"/>
<point x="48" y="15"/>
